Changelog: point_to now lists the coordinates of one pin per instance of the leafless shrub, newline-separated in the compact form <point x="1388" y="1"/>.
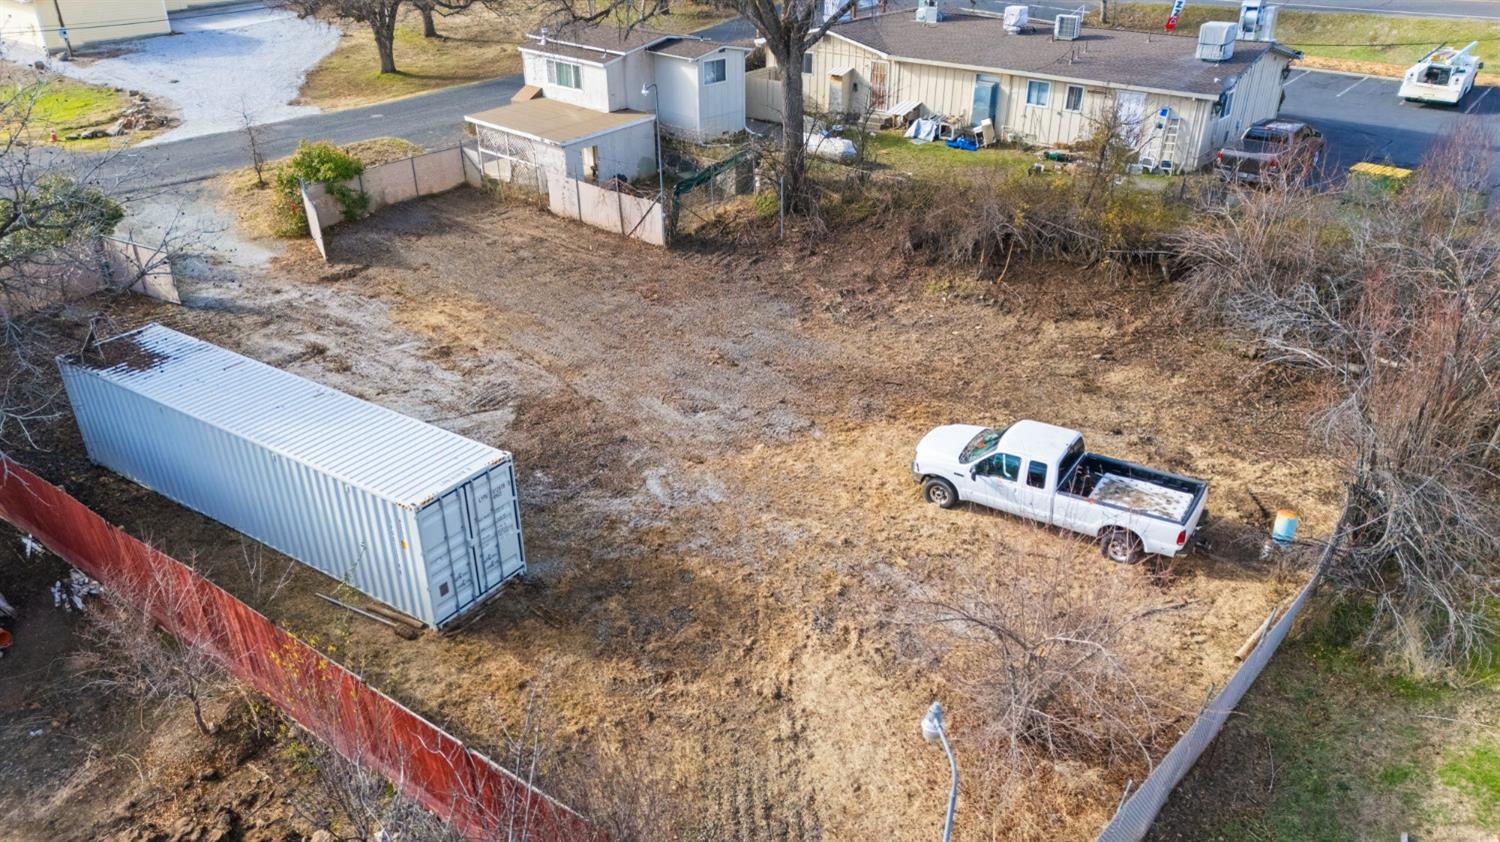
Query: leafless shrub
<point x="354" y="803"/>
<point x="128" y="653"/>
<point x="1395" y="305"/>
<point x="1038" y="644"/>
<point x="265" y="577"/>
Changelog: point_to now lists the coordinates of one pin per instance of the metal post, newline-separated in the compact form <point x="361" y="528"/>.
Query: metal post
<point x="953" y="788"/>
<point x="661" y="179"/>
<point x="933" y="729"/>
<point x="62" y="29"/>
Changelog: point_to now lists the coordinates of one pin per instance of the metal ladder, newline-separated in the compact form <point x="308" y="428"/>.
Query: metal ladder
<point x="1169" y="135"/>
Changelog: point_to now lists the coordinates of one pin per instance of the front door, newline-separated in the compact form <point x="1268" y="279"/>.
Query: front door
<point x="1130" y="106"/>
<point x="880" y="80"/>
<point x="986" y="100"/>
<point x="995" y="479"/>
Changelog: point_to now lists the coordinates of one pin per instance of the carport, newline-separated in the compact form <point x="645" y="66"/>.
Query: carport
<point x="525" y="141"/>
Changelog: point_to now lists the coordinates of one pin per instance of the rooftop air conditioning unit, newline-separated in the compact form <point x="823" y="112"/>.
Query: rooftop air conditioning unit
<point x="1257" y="21"/>
<point x="1216" y="40"/>
<point x="1067" y="27"/>
<point x="928" y="11"/>
<point x="1016" y="18"/>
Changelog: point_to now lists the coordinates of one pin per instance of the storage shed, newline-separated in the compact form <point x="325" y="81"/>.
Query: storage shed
<point x="415" y="516"/>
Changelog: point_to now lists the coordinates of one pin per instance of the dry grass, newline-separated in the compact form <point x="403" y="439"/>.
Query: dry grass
<point x="474" y="46"/>
<point x="254" y="206"/>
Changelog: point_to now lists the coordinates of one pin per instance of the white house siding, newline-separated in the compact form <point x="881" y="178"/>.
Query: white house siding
<point x="639" y="70"/>
<point x="721" y="106"/>
<point x="35" y="24"/>
<point x="950" y="91"/>
<point x="630" y="151"/>
<point x="595" y="93"/>
<point x="677" y="84"/>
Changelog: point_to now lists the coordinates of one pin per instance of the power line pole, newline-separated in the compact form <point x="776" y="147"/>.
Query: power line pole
<point x="62" y="29"/>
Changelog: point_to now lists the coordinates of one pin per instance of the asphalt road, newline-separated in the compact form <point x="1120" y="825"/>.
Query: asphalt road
<point x="431" y="120"/>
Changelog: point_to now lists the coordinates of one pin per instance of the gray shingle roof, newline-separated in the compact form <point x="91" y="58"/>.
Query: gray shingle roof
<point x="688" y="48"/>
<point x="1139" y="59"/>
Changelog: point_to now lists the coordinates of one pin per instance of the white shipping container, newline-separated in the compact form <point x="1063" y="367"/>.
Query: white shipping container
<point x="420" y="518"/>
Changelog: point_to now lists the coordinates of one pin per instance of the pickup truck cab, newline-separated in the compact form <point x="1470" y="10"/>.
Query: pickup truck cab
<point x="1042" y="472"/>
<point x="1271" y="151"/>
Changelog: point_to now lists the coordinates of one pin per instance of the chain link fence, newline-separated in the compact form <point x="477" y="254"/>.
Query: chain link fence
<point x="696" y="197"/>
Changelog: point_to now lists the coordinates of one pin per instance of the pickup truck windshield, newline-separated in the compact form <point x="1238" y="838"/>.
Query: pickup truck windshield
<point x="980" y="445"/>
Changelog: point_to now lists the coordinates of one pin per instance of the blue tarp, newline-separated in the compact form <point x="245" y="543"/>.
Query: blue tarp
<point x="963" y="143"/>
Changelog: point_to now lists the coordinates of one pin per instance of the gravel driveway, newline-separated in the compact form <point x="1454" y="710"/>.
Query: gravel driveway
<point x="218" y="63"/>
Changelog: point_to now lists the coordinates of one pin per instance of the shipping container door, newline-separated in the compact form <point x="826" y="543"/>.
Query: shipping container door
<point x="447" y="549"/>
<point x="496" y="529"/>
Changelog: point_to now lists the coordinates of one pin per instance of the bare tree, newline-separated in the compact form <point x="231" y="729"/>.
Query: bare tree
<point x="381" y="16"/>
<point x="55" y="211"/>
<point x="1394" y="304"/>
<point x="130" y="654"/>
<point x="1039" y="644"/>
<point x="789" y="28"/>
<point x="429" y="11"/>
<point x="251" y="131"/>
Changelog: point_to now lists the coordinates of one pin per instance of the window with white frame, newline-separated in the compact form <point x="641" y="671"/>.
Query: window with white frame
<point x="564" y="73"/>
<point x="1073" y="101"/>
<point x="714" y="71"/>
<point x="1226" y="104"/>
<point x="1038" y="92"/>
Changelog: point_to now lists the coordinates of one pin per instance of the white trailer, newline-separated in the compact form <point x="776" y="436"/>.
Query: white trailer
<point x="1442" y="77"/>
<point x="415" y="516"/>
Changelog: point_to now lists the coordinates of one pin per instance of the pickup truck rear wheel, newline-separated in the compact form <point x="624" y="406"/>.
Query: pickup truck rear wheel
<point x="940" y="492"/>
<point x="1121" y="546"/>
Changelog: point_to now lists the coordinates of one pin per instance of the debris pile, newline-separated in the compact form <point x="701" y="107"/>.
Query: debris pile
<point x="139" y="115"/>
<point x="69" y="594"/>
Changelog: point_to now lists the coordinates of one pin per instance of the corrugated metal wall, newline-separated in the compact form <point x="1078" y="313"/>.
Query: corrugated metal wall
<point x="330" y="480"/>
<point x="474" y="795"/>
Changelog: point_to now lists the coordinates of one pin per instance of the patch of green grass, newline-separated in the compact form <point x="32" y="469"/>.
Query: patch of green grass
<point x="890" y="149"/>
<point x="1380" y="39"/>
<point x="1476" y="774"/>
<point x="64" y="106"/>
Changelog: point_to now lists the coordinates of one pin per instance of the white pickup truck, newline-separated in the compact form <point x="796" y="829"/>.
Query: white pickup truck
<point x="1042" y="472"/>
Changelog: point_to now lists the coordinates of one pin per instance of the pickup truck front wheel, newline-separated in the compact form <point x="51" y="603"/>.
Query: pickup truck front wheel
<point x="1121" y="546"/>
<point x="940" y="492"/>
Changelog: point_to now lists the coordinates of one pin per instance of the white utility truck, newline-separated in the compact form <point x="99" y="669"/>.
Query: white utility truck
<point x="1442" y="77"/>
<point x="1042" y="472"/>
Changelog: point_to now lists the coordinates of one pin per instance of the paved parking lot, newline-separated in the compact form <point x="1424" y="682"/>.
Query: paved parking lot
<point x="1364" y="120"/>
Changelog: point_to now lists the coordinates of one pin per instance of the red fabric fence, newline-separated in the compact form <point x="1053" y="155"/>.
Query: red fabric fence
<point x="474" y="795"/>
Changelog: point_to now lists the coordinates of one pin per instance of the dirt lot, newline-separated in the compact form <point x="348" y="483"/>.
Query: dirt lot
<point x="721" y="527"/>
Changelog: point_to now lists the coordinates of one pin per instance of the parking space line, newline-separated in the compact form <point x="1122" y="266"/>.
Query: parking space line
<point x="1295" y="78"/>
<point x="1352" y="87"/>
<point x="1475" y="104"/>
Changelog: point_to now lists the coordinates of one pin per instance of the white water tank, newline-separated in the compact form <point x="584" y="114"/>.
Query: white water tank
<point x="1216" y="40"/>
<point x="1016" y="18"/>
<point x="929" y="11"/>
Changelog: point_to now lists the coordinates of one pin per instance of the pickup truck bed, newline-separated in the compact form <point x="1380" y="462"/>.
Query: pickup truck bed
<point x="1131" y="487"/>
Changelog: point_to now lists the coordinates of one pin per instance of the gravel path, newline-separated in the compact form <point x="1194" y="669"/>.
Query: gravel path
<point x="217" y="64"/>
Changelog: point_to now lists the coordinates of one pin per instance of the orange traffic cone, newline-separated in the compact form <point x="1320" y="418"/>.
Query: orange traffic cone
<point x="54" y="135"/>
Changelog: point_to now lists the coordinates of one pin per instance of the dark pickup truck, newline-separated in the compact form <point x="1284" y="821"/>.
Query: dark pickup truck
<point x="1271" y="151"/>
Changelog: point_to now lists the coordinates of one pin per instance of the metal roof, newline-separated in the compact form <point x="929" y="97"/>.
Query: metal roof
<point x="389" y="454"/>
<point x="1102" y="56"/>
<point x="555" y="122"/>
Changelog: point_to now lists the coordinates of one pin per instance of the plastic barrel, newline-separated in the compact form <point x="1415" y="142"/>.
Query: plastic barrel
<point x="1285" y="530"/>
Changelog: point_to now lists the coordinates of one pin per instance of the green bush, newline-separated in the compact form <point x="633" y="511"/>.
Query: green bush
<point x="317" y="163"/>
